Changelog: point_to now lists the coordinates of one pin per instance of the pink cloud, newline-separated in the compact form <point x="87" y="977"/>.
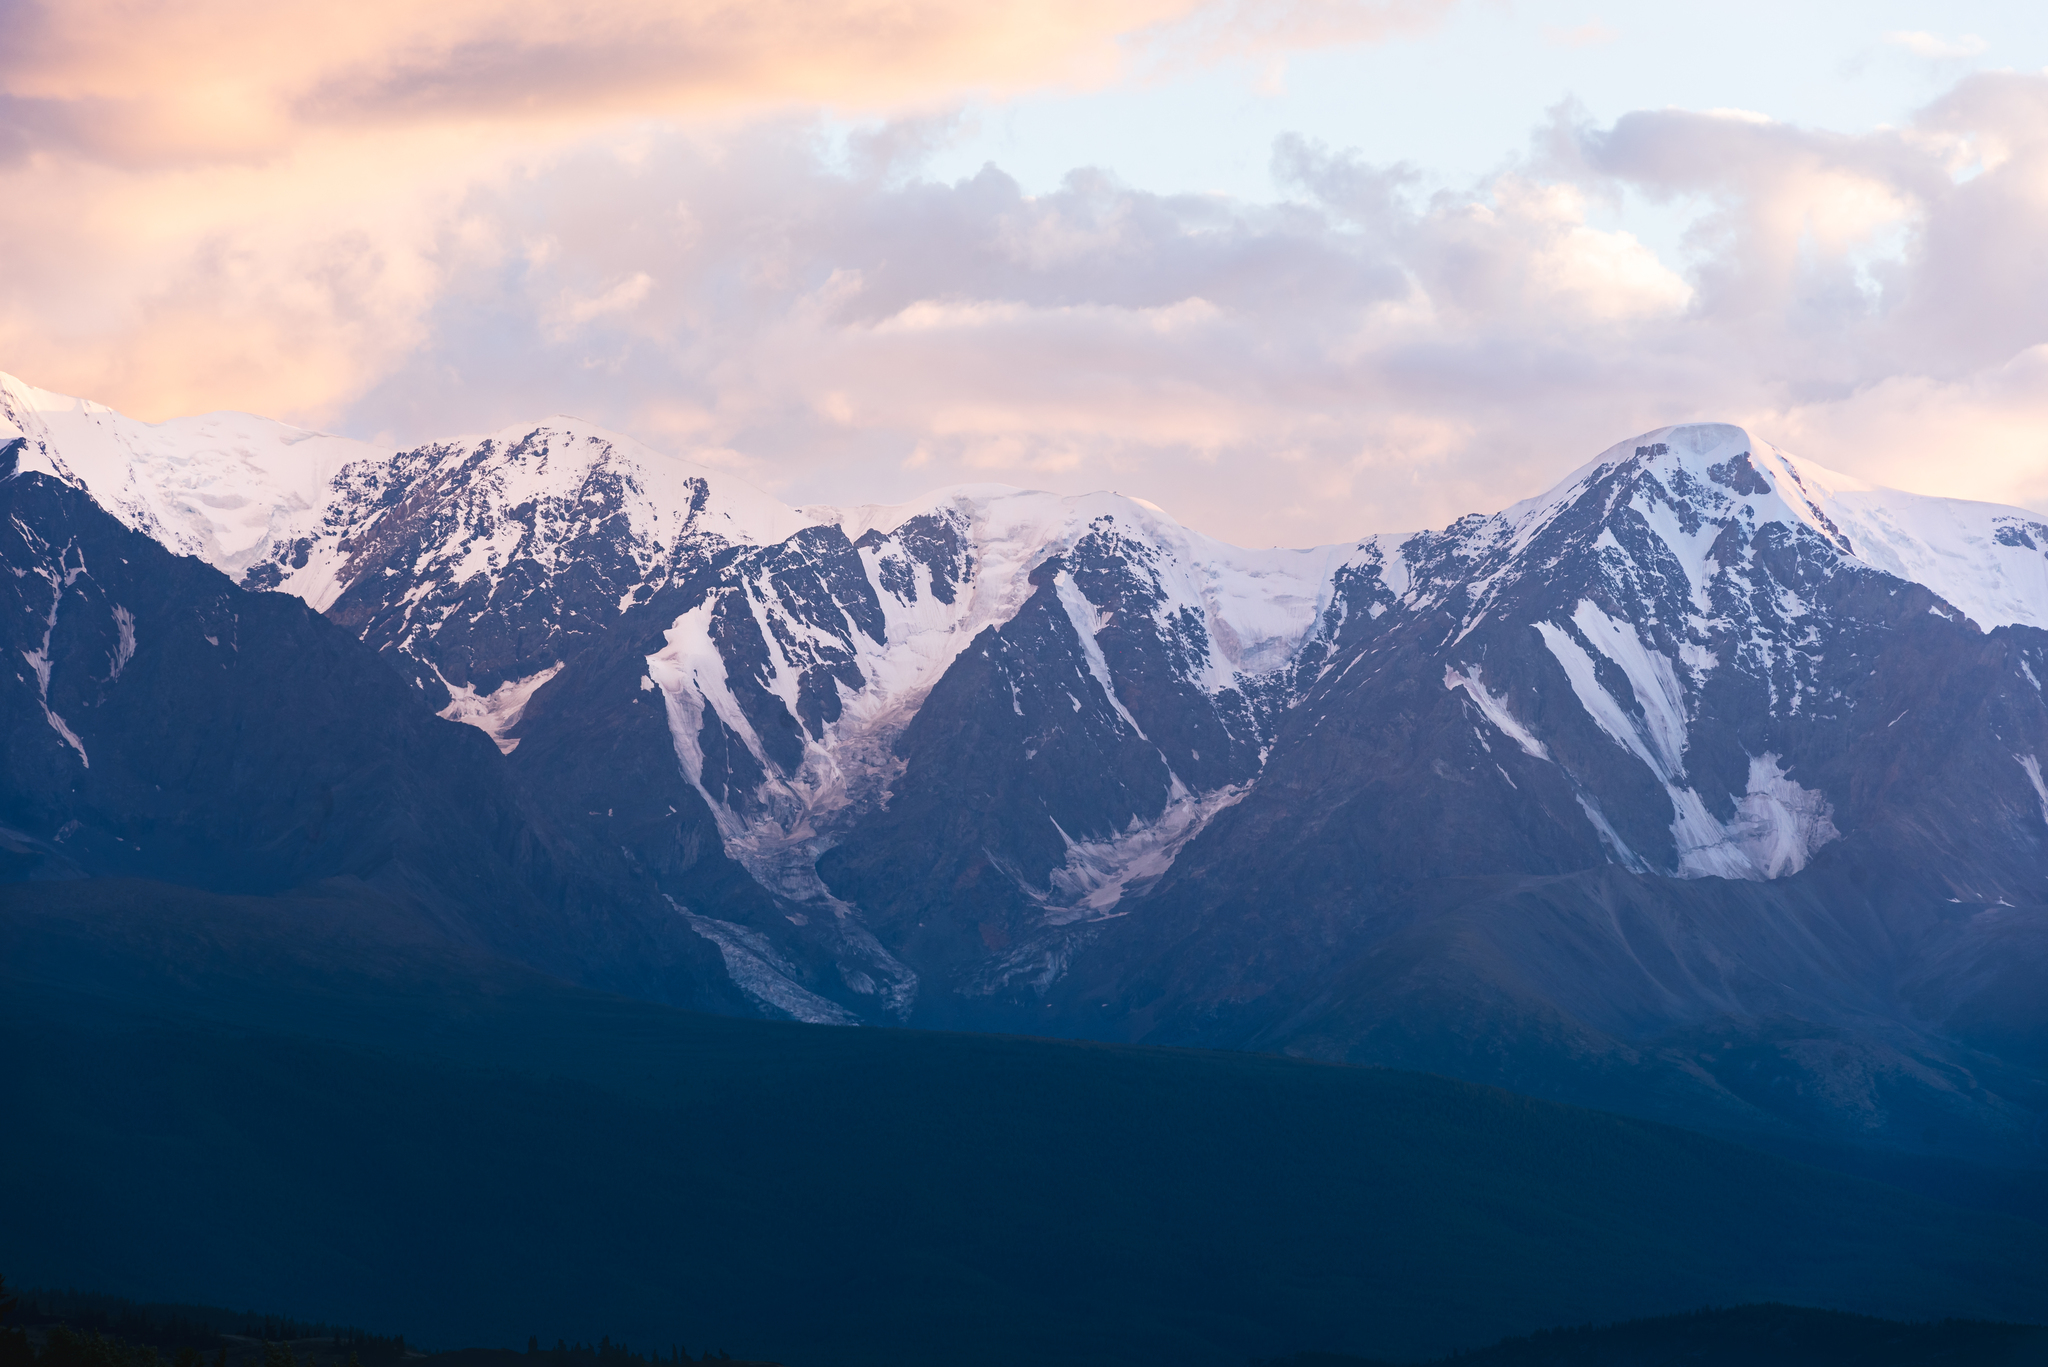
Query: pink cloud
<point x="1365" y="355"/>
<point x="149" y="84"/>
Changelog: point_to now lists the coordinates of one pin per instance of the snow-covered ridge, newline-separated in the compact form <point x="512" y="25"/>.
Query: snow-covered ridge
<point x="231" y="487"/>
<point x="1987" y="559"/>
<point x="1710" y="550"/>
<point x="220" y="486"/>
<point x="237" y="490"/>
<point x="540" y="493"/>
<point x="941" y="570"/>
<point x="1260" y="603"/>
<point x="541" y="531"/>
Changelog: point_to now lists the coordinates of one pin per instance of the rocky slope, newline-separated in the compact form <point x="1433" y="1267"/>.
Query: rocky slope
<point x="1708" y="783"/>
<point x="157" y="721"/>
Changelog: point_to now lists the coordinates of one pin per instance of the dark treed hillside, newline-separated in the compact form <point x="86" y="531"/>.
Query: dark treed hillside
<point x="288" y="1102"/>
<point x="69" y="1329"/>
<point x="1750" y="1336"/>
<point x="44" y="1328"/>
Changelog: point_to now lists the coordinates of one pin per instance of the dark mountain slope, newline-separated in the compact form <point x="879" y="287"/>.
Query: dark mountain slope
<point x="310" y="1102"/>
<point x="595" y="753"/>
<point x="950" y="871"/>
<point x="1708" y="783"/>
<point x="162" y="722"/>
<point x="1763" y="850"/>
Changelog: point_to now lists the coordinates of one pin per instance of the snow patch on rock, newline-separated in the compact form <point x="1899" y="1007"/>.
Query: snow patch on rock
<point x="1087" y="625"/>
<point x="1777" y="823"/>
<point x="759" y="970"/>
<point x="1097" y="875"/>
<point x="498" y="711"/>
<point x="60" y="577"/>
<point x="2033" y="768"/>
<point x="124" y="641"/>
<point x="1495" y="710"/>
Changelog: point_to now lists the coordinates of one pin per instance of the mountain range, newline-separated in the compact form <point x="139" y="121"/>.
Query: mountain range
<point x="1706" y="786"/>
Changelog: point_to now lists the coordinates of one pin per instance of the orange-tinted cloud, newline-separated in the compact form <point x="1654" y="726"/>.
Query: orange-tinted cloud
<point x="143" y="83"/>
<point x="1362" y="356"/>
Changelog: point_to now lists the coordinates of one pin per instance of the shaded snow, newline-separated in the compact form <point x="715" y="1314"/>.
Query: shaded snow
<point x="1496" y="711"/>
<point x="2033" y="768"/>
<point x="760" y="971"/>
<point x="1097" y="875"/>
<point x="124" y="646"/>
<point x="1257" y="609"/>
<point x="1087" y="625"/>
<point x="498" y="711"/>
<point x="1662" y="725"/>
<point x="60" y="578"/>
<point x="1777" y="824"/>
<point x="1602" y="706"/>
<point x="1623" y="855"/>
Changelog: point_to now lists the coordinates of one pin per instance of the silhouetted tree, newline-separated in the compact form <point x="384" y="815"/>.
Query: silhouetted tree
<point x="14" y="1345"/>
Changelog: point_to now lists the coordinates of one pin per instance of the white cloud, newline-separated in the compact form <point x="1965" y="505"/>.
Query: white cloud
<point x="1363" y="357"/>
<point x="1368" y="354"/>
<point x="1593" y="33"/>
<point x="623" y="297"/>
<point x="1936" y="48"/>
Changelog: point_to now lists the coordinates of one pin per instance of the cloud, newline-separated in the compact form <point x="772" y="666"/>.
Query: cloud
<point x="153" y="84"/>
<point x="1590" y="34"/>
<point x="1276" y="373"/>
<point x="1371" y="351"/>
<point x="1936" y="48"/>
<point x="1260" y="28"/>
<point x="623" y="297"/>
<point x="1366" y="354"/>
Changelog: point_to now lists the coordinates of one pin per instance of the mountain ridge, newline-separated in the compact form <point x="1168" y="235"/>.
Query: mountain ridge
<point x="1706" y="748"/>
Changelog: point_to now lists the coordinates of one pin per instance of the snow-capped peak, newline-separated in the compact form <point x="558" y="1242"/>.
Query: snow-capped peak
<point x="1258" y="604"/>
<point x="233" y="489"/>
<point x="567" y="452"/>
<point x="1989" y="560"/>
<point x="220" y="486"/>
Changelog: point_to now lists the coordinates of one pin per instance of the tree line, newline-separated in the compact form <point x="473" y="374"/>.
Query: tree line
<point x="83" y="1329"/>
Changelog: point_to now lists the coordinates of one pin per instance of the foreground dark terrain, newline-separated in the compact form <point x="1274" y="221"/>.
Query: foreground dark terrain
<point x="88" y="1329"/>
<point x="72" y="1329"/>
<point x="1750" y="1336"/>
<point x="308" y="1101"/>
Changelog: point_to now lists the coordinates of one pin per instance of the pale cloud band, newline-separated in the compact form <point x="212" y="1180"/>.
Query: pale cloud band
<point x="147" y="84"/>
<point x="448" y="218"/>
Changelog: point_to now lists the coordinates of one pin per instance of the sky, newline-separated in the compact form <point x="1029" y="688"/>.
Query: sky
<point x="1295" y="271"/>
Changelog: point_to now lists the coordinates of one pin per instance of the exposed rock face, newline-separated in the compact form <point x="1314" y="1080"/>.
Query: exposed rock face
<point x="1708" y="784"/>
<point x="160" y="722"/>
